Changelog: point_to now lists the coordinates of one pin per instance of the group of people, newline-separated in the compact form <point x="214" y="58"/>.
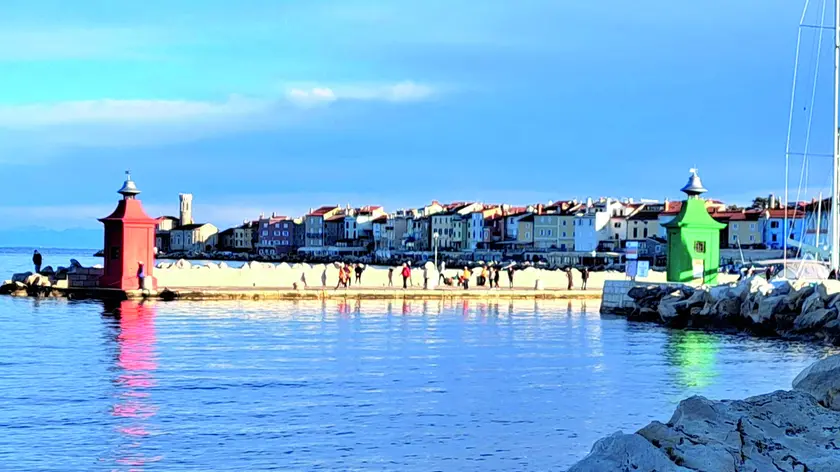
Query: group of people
<point x="346" y="272"/>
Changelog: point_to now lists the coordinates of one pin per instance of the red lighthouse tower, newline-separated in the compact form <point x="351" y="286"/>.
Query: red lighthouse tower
<point x="129" y="242"/>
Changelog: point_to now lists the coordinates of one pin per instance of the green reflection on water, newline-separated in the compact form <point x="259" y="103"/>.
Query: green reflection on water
<point x="694" y="354"/>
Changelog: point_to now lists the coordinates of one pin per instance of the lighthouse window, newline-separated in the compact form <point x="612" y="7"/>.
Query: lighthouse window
<point x="115" y="253"/>
<point x="700" y="247"/>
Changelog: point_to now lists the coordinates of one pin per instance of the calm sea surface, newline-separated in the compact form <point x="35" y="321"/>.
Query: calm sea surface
<point x="465" y="386"/>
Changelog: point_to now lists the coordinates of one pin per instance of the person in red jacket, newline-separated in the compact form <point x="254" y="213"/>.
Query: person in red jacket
<point x="406" y="274"/>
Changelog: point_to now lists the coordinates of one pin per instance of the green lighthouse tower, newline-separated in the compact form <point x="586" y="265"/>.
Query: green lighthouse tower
<point x="693" y="239"/>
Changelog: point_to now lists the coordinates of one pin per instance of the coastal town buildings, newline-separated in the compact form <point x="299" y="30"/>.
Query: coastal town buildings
<point x="558" y="232"/>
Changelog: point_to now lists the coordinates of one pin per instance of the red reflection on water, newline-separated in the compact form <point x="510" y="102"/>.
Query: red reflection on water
<point x="136" y="360"/>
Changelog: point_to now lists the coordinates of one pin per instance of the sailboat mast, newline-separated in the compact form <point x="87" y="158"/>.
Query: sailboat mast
<point x="835" y="185"/>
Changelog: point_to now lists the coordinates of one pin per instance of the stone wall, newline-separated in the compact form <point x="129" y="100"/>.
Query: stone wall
<point x="615" y="294"/>
<point x="84" y="277"/>
<point x="267" y="275"/>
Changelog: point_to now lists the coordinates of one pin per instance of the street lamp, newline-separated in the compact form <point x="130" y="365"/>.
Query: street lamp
<point x="435" y="237"/>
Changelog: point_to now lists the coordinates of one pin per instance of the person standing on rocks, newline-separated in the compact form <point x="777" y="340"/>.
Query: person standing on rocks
<point x="584" y="275"/>
<point x="37" y="260"/>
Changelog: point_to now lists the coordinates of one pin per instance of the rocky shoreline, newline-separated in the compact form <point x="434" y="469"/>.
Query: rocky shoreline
<point x="789" y="431"/>
<point x="793" y="310"/>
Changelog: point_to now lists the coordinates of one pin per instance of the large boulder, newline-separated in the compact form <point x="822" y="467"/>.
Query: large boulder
<point x="821" y="380"/>
<point x="796" y="298"/>
<point x="669" y="307"/>
<point x="811" y="303"/>
<point x="21" y="277"/>
<point x="814" y="320"/>
<point x="781" y="431"/>
<point x="768" y="307"/>
<point x="828" y="288"/>
<point x="626" y="453"/>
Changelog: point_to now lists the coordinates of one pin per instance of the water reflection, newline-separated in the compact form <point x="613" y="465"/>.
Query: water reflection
<point x="135" y="365"/>
<point x="694" y="356"/>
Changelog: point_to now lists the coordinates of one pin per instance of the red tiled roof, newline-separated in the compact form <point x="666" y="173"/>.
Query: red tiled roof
<point x="780" y="213"/>
<point x="323" y="210"/>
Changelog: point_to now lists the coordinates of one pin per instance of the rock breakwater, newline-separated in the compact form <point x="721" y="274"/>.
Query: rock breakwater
<point x="788" y="431"/>
<point x="801" y="310"/>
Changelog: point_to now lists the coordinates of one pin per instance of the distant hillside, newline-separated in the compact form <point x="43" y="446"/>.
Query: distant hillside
<point x="43" y="237"/>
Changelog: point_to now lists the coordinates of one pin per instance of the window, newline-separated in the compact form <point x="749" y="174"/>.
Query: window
<point x="774" y="237"/>
<point x="277" y="233"/>
<point x="528" y="235"/>
<point x="265" y="233"/>
<point x="752" y="226"/>
<point x="277" y="225"/>
<point x="735" y="226"/>
<point x="285" y="242"/>
<point x="635" y="233"/>
<point x="752" y="238"/>
<point x="700" y="247"/>
<point x="774" y="224"/>
<point x="734" y="238"/>
<point x="265" y="225"/>
<point x="285" y="233"/>
<point x="658" y="249"/>
<point x="564" y="222"/>
<point x="564" y="234"/>
<point x="645" y="233"/>
<point x="285" y="225"/>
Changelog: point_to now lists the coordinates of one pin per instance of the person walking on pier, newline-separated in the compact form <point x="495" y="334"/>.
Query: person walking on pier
<point x="441" y="269"/>
<point x="491" y="276"/>
<point x="390" y="276"/>
<point x="343" y="277"/>
<point x="569" y="278"/>
<point x="406" y="274"/>
<point x="359" y="269"/>
<point x="496" y="275"/>
<point x="465" y="278"/>
<point x="37" y="260"/>
<point x="584" y="275"/>
<point x="510" y="270"/>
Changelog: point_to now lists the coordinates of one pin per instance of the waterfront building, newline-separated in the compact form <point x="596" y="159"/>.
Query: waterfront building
<point x="592" y="228"/>
<point x="742" y="228"/>
<point x="450" y="226"/>
<point x="165" y="224"/>
<point x="773" y="227"/>
<point x="238" y="238"/>
<point x="693" y="239"/>
<point x="644" y="223"/>
<point x="196" y="237"/>
<point x="316" y="226"/>
<point x="275" y="234"/>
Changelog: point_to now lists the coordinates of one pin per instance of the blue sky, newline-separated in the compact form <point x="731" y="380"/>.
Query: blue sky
<point x="272" y="105"/>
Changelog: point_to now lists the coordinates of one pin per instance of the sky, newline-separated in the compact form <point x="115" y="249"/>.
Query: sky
<point x="278" y="106"/>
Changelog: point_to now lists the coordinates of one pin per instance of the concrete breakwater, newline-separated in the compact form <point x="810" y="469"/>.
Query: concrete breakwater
<point x="788" y="431"/>
<point x="802" y="310"/>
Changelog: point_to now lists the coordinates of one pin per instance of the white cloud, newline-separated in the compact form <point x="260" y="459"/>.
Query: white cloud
<point x="166" y="112"/>
<point x="406" y="91"/>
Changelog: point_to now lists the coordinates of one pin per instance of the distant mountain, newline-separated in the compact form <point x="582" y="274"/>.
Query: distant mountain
<point x="43" y="237"/>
